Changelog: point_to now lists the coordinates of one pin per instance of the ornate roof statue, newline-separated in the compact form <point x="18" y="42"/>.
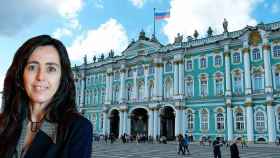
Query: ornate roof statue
<point x="189" y="38"/>
<point x="195" y="35"/>
<point x="142" y="35"/>
<point x="111" y="54"/>
<point x="179" y="38"/>
<point x="225" y="25"/>
<point x="94" y="59"/>
<point x="209" y="32"/>
<point x="102" y="57"/>
<point x="85" y="59"/>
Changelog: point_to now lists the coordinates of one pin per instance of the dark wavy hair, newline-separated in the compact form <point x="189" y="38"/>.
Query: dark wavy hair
<point x="15" y="99"/>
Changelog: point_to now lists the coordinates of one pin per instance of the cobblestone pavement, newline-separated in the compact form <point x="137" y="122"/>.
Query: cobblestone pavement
<point x="134" y="150"/>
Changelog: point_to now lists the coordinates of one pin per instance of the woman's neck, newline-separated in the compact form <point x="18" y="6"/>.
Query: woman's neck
<point x="37" y="112"/>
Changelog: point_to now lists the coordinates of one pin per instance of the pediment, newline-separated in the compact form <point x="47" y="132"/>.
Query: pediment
<point x="141" y="47"/>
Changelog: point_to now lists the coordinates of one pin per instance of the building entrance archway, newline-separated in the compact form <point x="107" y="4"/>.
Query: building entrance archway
<point x="139" y="121"/>
<point x="167" y="122"/>
<point x="114" y="123"/>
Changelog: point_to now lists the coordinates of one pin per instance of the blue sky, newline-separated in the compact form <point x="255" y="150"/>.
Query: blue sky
<point x="93" y="27"/>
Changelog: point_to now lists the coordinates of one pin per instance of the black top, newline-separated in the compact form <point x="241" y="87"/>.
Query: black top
<point x="234" y="151"/>
<point x="75" y="142"/>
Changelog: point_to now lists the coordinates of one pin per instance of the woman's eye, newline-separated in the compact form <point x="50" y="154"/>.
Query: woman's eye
<point x="51" y="69"/>
<point x="31" y="67"/>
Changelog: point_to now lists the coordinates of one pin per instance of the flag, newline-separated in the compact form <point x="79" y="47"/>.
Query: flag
<point x="162" y="15"/>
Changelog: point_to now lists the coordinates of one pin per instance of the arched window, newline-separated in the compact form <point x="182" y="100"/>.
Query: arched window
<point x="151" y="90"/>
<point x="103" y="95"/>
<point x="168" y="67"/>
<point x="218" y="60"/>
<point x="276" y="51"/>
<point x="239" y="120"/>
<point x="256" y="54"/>
<point x="116" y="94"/>
<point x="237" y="83"/>
<point x="129" y="73"/>
<point x="140" y="71"/>
<point x="203" y="62"/>
<point x="95" y="97"/>
<point x="189" y="65"/>
<point x="129" y="92"/>
<point x="204" y="120"/>
<point x="151" y="69"/>
<point x="140" y="91"/>
<point x="258" y="81"/>
<point x="236" y="57"/>
<point x="203" y="86"/>
<point x="219" y="84"/>
<point x="189" y="87"/>
<point x="117" y="75"/>
<point x="220" y="121"/>
<point x="190" y="120"/>
<point x="168" y="89"/>
<point x="260" y="126"/>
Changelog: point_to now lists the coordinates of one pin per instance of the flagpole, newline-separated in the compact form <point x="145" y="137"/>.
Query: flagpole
<point x="154" y="23"/>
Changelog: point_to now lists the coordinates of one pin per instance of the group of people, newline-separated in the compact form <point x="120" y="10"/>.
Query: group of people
<point x="234" y="151"/>
<point x="183" y="144"/>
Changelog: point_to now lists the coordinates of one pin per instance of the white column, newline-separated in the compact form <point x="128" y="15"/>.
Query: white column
<point x="134" y="85"/>
<point x="160" y="81"/>
<point x="156" y="83"/>
<point x="105" y="117"/>
<point x="229" y="123"/>
<point x="271" y="123"/>
<point x="250" y="118"/>
<point x="146" y="87"/>
<point x="122" y="87"/>
<point x="125" y="121"/>
<point x="155" y="123"/>
<point x="227" y="78"/>
<point x="129" y="125"/>
<point x="151" y="126"/>
<point x="121" y="123"/>
<point x="176" y="76"/>
<point x="181" y="78"/>
<point x="82" y="101"/>
<point x="248" y="90"/>
<point x="267" y="68"/>
<point x="111" y="87"/>
<point x="183" y="121"/>
<point x="107" y="88"/>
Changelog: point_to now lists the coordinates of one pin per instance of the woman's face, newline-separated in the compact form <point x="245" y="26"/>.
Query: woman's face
<point x="42" y="75"/>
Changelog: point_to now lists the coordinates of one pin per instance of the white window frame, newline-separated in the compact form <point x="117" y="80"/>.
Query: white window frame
<point x="186" y="64"/>
<point x="240" y="57"/>
<point x="214" y="60"/>
<point x="206" y="62"/>
<point x="216" y="121"/>
<point x="193" y="119"/>
<point x="186" y="87"/>
<point x="274" y="45"/>
<point x="235" y="121"/>
<point x="200" y="121"/>
<point x="215" y="86"/>
<point x="207" y="86"/>
<point x="251" y="53"/>
<point x="233" y="83"/>
<point x="264" y="121"/>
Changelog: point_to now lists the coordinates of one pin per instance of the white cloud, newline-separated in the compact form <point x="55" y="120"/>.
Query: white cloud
<point x="110" y="35"/>
<point x="98" y="4"/>
<point x="61" y="32"/>
<point x="138" y="3"/>
<point x="275" y="8"/>
<point x="186" y="16"/>
<point x="1" y="83"/>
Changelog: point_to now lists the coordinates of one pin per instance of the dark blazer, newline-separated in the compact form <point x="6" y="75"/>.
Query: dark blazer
<point x="74" y="142"/>
<point x="234" y="151"/>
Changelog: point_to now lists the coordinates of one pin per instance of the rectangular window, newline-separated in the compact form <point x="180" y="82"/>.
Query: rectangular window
<point x="203" y="88"/>
<point x="219" y="87"/>
<point x="189" y="65"/>
<point x="189" y="88"/>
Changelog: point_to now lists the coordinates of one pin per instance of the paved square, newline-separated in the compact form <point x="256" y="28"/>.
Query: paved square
<point x="134" y="150"/>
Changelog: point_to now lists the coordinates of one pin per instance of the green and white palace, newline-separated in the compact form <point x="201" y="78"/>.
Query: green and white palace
<point x="225" y="85"/>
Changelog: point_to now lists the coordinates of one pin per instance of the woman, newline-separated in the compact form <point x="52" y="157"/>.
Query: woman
<point x="39" y="117"/>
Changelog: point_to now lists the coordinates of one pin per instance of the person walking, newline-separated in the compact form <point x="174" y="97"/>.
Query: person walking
<point x="234" y="152"/>
<point x="216" y="148"/>
<point x="186" y="144"/>
<point x="181" y="144"/>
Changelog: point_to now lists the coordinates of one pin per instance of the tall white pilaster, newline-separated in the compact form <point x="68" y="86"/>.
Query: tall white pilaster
<point x="122" y="86"/>
<point x="105" y="123"/>
<point x="250" y="126"/>
<point x="121" y="123"/>
<point x="129" y="125"/>
<point x="227" y="71"/>
<point x="155" y="122"/>
<point x="267" y="68"/>
<point x="248" y="90"/>
<point x="146" y="86"/>
<point x="181" y="78"/>
<point x="160" y="82"/>
<point x="125" y="121"/>
<point x="151" y="125"/>
<point x="176" y="78"/>
<point x="135" y="85"/>
<point x="229" y="123"/>
<point x="271" y="123"/>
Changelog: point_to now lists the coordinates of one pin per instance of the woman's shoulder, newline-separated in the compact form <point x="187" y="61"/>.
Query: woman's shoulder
<point x="76" y="120"/>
